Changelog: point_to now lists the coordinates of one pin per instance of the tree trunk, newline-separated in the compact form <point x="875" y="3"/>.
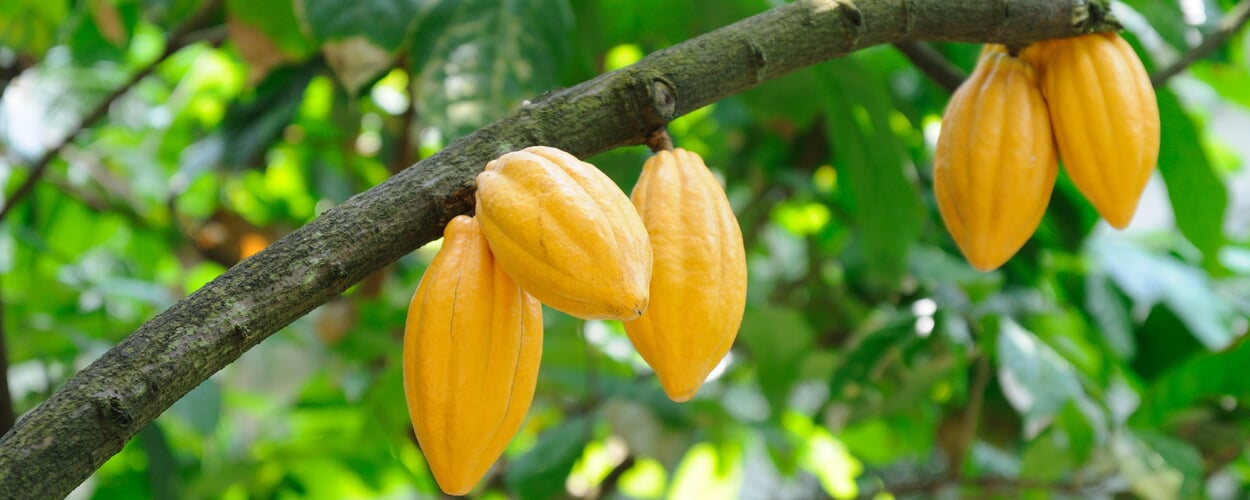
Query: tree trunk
<point x="56" y="446"/>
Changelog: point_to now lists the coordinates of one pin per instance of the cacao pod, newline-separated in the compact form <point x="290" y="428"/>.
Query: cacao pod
<point x="1105" y="118"/>
<point x="699" y="282"/>
<point x="995" y="164"/>
<point x="566" y="233"/>
<point x="472" y="343"/>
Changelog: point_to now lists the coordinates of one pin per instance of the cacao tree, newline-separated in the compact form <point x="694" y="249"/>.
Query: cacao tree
<point x="215" y="214"/>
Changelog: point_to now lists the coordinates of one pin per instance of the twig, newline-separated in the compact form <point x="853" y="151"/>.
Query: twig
<point x="660" y="140"/>
<point x="7" y="413"/>
<point x="1229" y="25"/>
<point x="933" y="64"/>
<point x="610" y="482"/>
<point x="176" y="41"/>
<point x="972" y="413"/>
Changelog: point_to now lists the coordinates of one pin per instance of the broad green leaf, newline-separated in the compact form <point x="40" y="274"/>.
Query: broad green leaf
<point x="880" y="190"/>
<point x="1149" y="475"/>
<point x="1195" y="380"/>
<point x="541" y="471"/>
<point x="1109" y="314"/>
<point x="857" y="365"/>
<point x="250" y="127"/>
<point x="1149" y="279"/>
<point x="279" y="22"/>
<point x="475" y="60"/>
<point x="1199" y="197"/>
<point x="1036" y="380"/>
<point x="162" y="464"/>
<point x="1084" y="424"/>
<point x="1047" y="458"/>
<point x="385" y="22"/>
<point x="1181" y="456"/>
<point x="101" y="33"/>
<point x="777" y="340"/>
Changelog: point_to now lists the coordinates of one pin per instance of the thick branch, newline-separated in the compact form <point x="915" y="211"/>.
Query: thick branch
<point x="1229" y="25"/>
<point x="58" y="444"/>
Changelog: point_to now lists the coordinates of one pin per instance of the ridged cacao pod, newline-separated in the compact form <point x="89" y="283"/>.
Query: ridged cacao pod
<point x="995" y="163"/>
<point x="566" y="233"/>
<point x="1105" y="118"/>
<point x="472" y="343"/>
<point x="699" y="282"/>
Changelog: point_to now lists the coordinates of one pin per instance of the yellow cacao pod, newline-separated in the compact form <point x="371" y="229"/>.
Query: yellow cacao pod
<point x="1105" y="118"/>
<point x="472" y="343"/>
<point x="699" y="283"/>
<point x="566" y="233"/>
<point x="995" y="164"/>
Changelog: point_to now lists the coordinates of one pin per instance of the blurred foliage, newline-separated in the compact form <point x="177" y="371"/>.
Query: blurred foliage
<point x="1095" y="363"/>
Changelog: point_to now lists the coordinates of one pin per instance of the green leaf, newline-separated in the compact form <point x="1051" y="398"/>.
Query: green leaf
<point x="857" y="365"/>
<point x="250" y="127"/>
<point x="1198" y="195"/>
<point x="1181" y="456"/>
<point x="777" y="340"/>
<point x="279" y="22"/>
<point x="1046" y="458"/>
<point x="540" y="472"/>
<point x="1036" y="381"/>
<point x="475" y="60"/>
<point x="385" y="22"/>
<point x="1199" y="378"/>
<point x="1149" y="279"/>
<point x="162" y="464"/>
<point x="1149" y="475"/>
<point x="1109" y="314"/>
<point x="880" y="191"/>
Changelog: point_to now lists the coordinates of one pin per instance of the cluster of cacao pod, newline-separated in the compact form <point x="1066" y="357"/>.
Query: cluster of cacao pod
<point x="550" y="228"/>
<point x="1085" y="100"/>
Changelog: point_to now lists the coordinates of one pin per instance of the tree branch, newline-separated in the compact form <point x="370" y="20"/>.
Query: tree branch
<point x="1229" y="25"/>
<point x="932" y="63"/>
<point x="176" y="41"/>
<point x="6" y="399"/>
<point x="57" y="445"/>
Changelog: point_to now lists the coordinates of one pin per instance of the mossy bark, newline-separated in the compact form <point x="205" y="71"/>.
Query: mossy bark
<point x="56" y="446"/>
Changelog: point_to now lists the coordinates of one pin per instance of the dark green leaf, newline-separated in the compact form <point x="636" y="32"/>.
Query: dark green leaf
<point x="384" y="22"/>
<point x="777" y="340"/>
<point x="250" y="127"/>
<point x="540" y="472"/>
<point x="474" y="60"/>
<point x="1198" y="195"/>
<point x="278" y="21"/>
<point x="879" y="189"/>
<point x="1198" y="379"/>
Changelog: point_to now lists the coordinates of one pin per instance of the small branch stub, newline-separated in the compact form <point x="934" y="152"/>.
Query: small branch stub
<point x="659" y="140"/>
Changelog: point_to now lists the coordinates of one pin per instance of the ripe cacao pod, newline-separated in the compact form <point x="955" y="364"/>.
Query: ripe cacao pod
<point x="699" y="282"/>
<point x="995" y="163"/>
<point x="1105" y="118"/>
<point x="566" y="233"/>
<point x="472" y="343"/>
